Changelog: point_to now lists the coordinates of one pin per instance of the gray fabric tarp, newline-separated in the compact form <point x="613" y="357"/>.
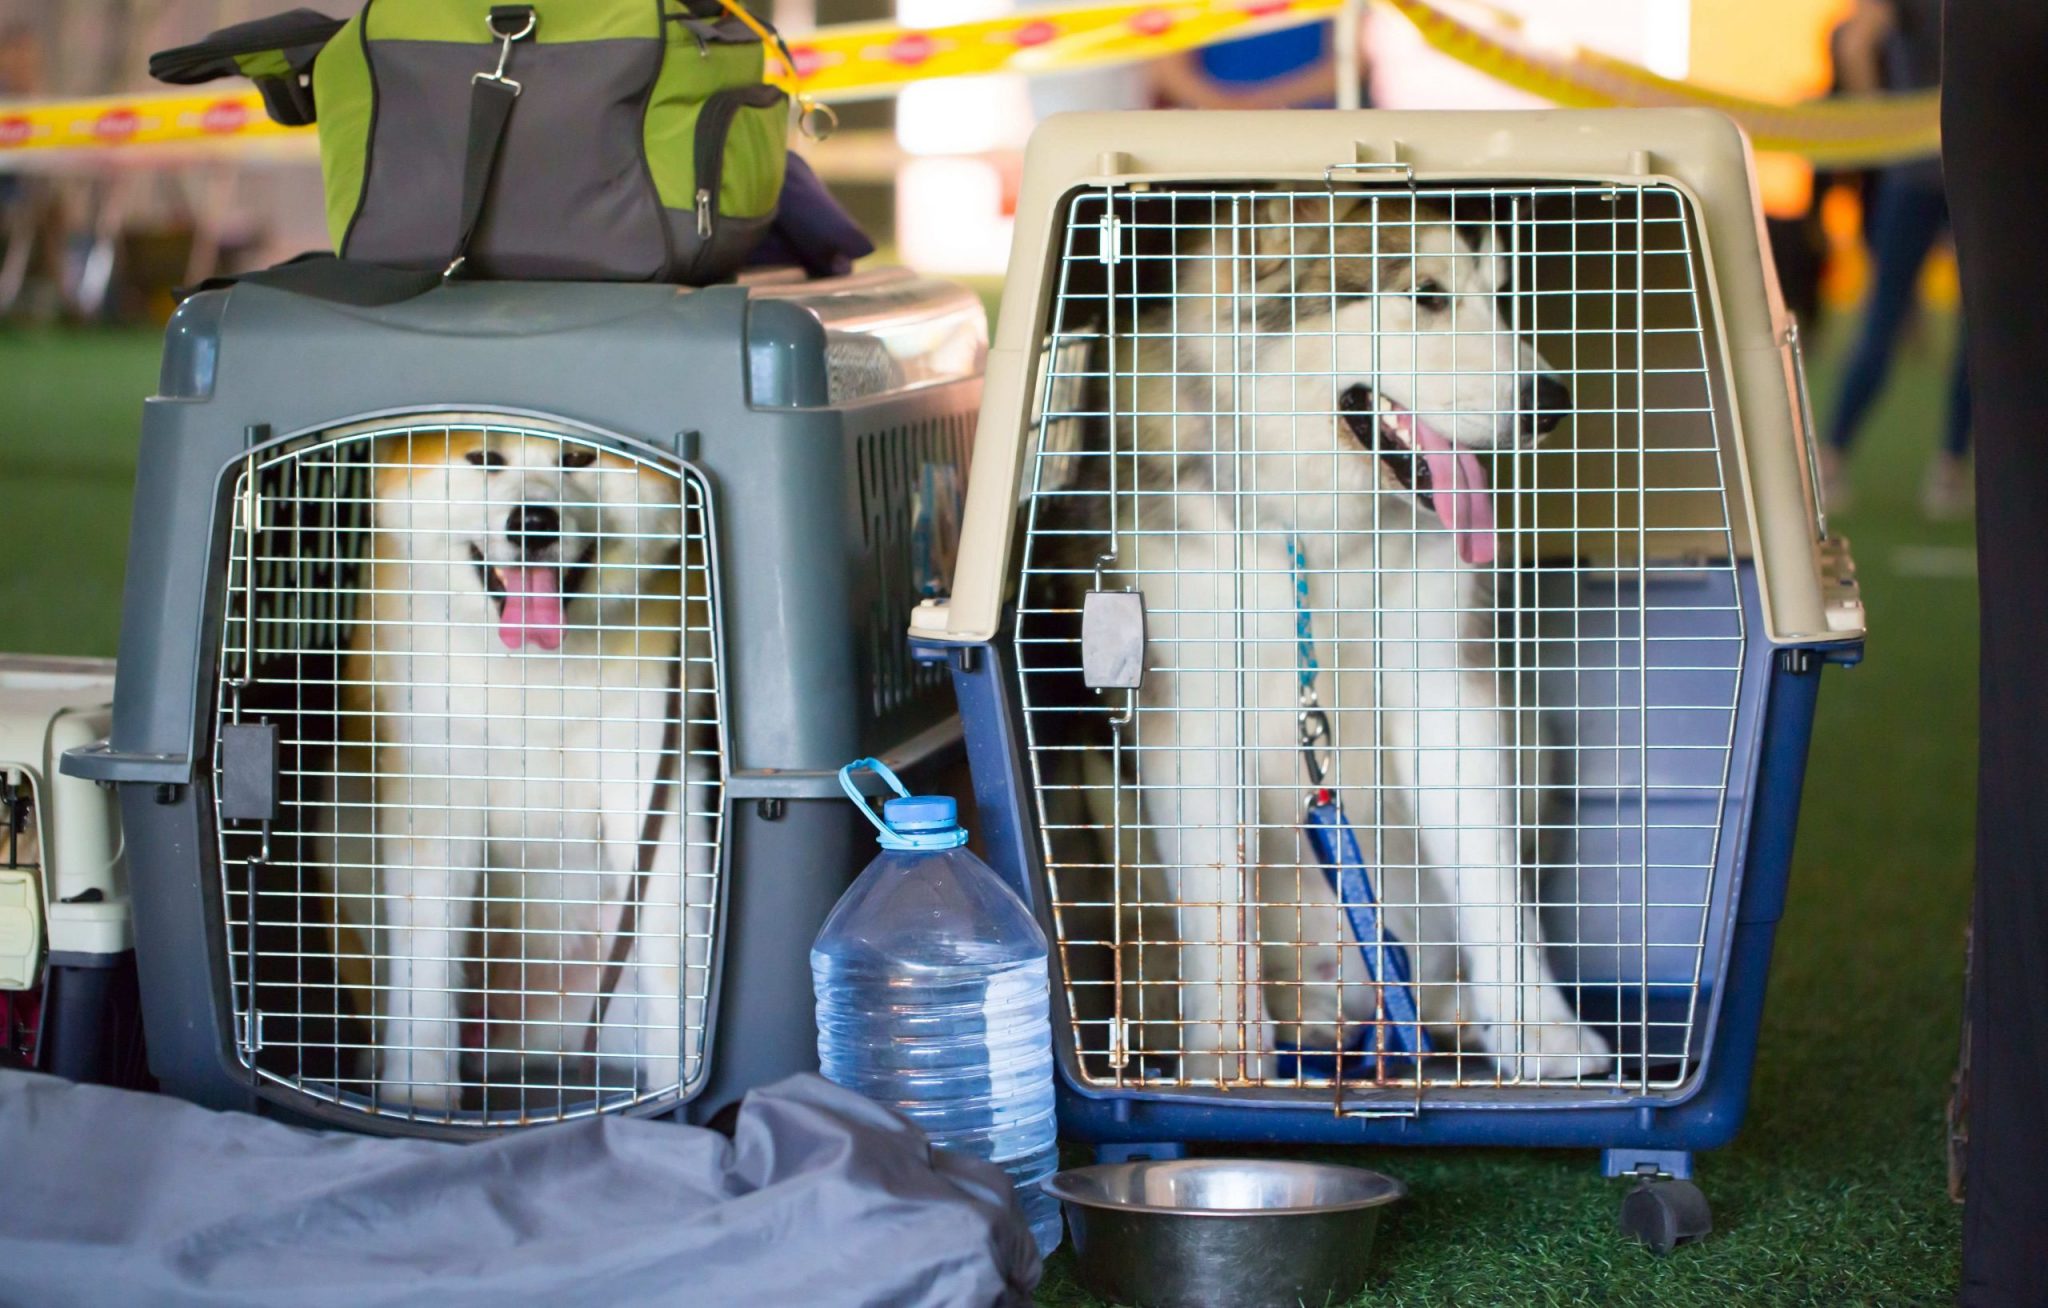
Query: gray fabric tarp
<point x="111" y="1197"/>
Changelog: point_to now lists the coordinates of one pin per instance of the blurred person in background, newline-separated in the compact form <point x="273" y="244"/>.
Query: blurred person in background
<point x="1294" y="68"/>
<point x="23" y="207"/>
<point x="1896" y="45"/>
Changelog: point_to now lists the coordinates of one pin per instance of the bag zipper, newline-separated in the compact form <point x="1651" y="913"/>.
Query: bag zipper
<point x="714" y="122"/>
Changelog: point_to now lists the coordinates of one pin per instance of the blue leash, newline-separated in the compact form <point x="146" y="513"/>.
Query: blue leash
<point x="1335" y="845"/>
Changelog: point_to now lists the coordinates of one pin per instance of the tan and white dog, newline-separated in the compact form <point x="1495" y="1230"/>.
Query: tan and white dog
<point x="1328" y="382"/>
<point x="510" y="841"/>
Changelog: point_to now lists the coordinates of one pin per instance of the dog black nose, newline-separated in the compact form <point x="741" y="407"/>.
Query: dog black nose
<point x="1546" y="402"/>
<point x="529" y="521"/>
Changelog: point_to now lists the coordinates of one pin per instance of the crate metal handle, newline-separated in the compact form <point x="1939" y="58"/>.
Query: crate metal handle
<point x="1804" y="398"/>
<point x="1401" y="166"/>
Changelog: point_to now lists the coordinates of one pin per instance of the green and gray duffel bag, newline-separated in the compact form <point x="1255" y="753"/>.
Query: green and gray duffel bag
<point x="567" y="140"/>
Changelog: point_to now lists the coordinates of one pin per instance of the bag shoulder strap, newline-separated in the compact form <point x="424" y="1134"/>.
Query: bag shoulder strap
<point x="491" y="97"/>
<point x="321" y="276"/>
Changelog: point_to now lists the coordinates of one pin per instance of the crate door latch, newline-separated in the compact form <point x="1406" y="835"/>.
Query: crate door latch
<point x="1113" y="639"/>
<point x="248" y="772"/>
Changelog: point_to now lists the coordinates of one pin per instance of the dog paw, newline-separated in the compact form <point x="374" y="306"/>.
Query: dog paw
<point x="1567" y="1050"/>
<point x="1224" y="1069"/>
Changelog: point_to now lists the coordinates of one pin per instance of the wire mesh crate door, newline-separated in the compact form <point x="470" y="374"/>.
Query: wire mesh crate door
<point x="486" y="892"/>
<point x="1513" y="680"/>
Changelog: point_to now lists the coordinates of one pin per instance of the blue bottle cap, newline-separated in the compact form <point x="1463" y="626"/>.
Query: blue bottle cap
<point x="922" y="813"/>
<point x="908" y="821"/>
<point x="921" y="822"/>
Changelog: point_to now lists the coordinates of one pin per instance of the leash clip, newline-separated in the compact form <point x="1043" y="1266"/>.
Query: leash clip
<point x="1314" y="725"/>
<point x="506" y="40"/>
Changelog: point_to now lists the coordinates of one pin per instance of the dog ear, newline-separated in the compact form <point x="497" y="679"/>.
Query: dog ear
<point x="1285" y="229"/>
<point x="1294" y="234"/>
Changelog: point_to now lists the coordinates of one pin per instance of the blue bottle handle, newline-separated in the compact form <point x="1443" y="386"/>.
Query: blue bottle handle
<point x="861" y="801"/>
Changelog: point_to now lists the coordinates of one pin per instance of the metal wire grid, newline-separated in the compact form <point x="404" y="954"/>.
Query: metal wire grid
<point x="1189" y="423"/>
<point x="552" y="956"/>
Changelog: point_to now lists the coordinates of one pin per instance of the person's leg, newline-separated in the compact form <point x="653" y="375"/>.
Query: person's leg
<point x="1994" y="119"/>
<point x="1797" y="256"/>
<point x="1907" y="220"/>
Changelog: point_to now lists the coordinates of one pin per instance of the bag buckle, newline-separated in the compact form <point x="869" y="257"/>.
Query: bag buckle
<point x="507" y="14"/>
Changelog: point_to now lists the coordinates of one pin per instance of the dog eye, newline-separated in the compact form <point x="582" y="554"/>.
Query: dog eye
<point x="1431" y="295"/>
<point x="578" y="457"/>
<point x="486" y="458"/>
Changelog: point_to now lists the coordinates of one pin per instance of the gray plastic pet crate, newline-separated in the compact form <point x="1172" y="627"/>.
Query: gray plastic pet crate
<point x="819" y="432"/>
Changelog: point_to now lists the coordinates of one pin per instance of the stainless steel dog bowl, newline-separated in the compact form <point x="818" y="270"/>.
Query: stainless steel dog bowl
<point x="1210" y="1232"/>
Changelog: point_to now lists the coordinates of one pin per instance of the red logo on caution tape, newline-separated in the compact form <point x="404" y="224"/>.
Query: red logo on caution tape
<point x="116" y="125"/>
<point x="224" y="116"/>
<point x="1151" y="22"/>
<point x="1037" y="33"/>
<point x="911" y="48"/>
<point x="15" y="131"/>
<point x="807" y="59"/>
<point x="1261" y="8"/>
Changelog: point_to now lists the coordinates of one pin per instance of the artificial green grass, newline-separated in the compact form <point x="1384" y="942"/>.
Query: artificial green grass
<point x="70" y="417"/>
<point x="1833" y="1194"/>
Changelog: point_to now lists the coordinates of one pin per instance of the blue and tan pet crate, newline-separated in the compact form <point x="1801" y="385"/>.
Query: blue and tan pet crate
<point x="486" y="660"/>
<point x="1191" y="492"/>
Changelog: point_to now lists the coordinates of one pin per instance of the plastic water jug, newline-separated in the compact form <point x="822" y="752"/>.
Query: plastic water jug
<point x="932" y="996"/>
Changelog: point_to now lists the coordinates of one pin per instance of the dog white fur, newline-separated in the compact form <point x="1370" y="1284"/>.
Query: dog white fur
<point x="1250" y="432"/>
<point x="517" y="632"/>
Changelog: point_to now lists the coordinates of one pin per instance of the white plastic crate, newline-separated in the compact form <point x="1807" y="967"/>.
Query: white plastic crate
<point x="66" y="934"/>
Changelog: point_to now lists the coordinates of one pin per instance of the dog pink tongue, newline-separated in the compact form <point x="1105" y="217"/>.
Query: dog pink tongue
<point x="533" y="607"/>
<point x="1458" y="486"/>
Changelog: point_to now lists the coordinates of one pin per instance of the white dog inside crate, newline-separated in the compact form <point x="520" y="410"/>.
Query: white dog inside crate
<point x="1293" y="469"/>
<point x="520" y="838"/>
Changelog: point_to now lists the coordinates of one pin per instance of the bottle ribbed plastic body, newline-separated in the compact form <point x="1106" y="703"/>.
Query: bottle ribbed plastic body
<point x="932" y="997"/>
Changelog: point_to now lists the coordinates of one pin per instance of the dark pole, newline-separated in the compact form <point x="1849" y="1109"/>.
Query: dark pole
<point x="1995" y="149"/>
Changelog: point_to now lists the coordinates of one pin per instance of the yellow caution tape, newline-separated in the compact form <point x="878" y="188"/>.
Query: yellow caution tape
<point x="854" y="61"/>
<point x="867" y="59"/>
<point x="135" y="120"/>
<point x="1853" y="132"/>
<point x="843" y="62"/>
